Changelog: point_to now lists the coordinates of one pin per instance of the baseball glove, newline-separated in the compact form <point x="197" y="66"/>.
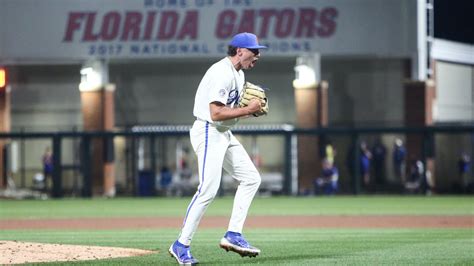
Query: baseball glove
<point x="251" y="91"/>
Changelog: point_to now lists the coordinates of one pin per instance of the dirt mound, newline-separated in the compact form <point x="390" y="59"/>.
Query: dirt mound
<point x="13" y="252"/>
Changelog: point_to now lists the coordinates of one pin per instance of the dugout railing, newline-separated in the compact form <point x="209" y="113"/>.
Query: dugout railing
<point x="288" y="132"/>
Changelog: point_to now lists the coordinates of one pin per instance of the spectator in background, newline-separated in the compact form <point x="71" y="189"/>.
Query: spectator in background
<point x="379" y="151"/>
<point x="47" y="160"/>
<point x="365" y="158"/>
<point x="183" y="185"/>
<point x="399" y="156"/>
<point x="166" y="178"/>
<point x="329" y="152"/>
<point x="185" y="172"/>
<point x="419" y="180"/>
<point x="463" y="171"/>
<point x="327" y="182"/>
<point x="416" y="177"/>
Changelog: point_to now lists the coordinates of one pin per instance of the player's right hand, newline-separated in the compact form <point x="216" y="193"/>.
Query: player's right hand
<point x="254" y="106"/>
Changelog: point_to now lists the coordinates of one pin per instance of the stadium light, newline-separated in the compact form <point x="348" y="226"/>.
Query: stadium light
<point x="3" y="78"/>
<point x="305" y="77"/>
<point x="306" y="72"/>
<point x="94" y="75"/>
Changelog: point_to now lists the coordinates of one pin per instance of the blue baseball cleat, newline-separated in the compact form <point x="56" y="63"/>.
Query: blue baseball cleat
<point x="182" y="254"/>
<point x="233" y="241"/>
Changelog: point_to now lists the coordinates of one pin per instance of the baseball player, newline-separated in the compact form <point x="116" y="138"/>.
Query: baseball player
<point x="216" y="110"/>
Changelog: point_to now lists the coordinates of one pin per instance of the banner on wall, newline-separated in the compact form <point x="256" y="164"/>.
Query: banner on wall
<point x="121" y="29"/>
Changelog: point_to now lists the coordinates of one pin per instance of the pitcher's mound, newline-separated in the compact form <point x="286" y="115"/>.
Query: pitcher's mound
<point x="12" y="252"/>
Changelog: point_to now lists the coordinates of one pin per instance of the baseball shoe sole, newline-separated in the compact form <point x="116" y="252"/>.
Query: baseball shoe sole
<point x="244" y="252"/>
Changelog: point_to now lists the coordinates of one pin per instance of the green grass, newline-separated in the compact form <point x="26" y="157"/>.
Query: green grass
<point x="176" y="207"/>
<point x="413" y="246"/>
<point x="282" y="247"/>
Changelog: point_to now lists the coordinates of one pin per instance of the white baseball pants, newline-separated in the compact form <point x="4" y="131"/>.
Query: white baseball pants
<point x="216" y="150"/>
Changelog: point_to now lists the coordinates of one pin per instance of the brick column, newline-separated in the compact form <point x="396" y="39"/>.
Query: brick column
<point x="311" y="111"/>
<point x="98" y="115"/>
<point x="5" y="127"/>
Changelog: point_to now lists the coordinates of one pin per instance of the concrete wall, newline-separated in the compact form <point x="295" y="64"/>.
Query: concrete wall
<point x="455" y="92"/>
<point x="45" y="98"/>
<point x="365" y="91"/>
<point x="163" y="92"/>
<point x="361" y="91"/>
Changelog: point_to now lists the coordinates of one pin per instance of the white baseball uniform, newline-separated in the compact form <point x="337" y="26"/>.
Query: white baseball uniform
<point x="217" y="149"/>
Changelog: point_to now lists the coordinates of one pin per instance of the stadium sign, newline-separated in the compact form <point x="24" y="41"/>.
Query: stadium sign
<point x="121" y="29"/>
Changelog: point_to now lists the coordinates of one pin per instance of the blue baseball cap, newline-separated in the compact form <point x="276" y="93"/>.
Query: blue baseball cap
<point x="246" y="40"/>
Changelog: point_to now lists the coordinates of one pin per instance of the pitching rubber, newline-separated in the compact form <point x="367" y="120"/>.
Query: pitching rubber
<point x="244" y="252"/>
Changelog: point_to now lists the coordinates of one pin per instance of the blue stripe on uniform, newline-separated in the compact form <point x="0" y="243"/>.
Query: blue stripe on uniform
<point x="202" y="175"/>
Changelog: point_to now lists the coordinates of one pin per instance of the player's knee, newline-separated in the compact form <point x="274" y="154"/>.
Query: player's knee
<point x="259" y="180"/>
<point x="208" y="197"/>
<point x="212" y="196"/>
<point x="255" y="180"/>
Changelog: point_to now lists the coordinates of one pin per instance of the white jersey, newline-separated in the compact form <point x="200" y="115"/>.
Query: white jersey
<point x="221" y="83"/>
